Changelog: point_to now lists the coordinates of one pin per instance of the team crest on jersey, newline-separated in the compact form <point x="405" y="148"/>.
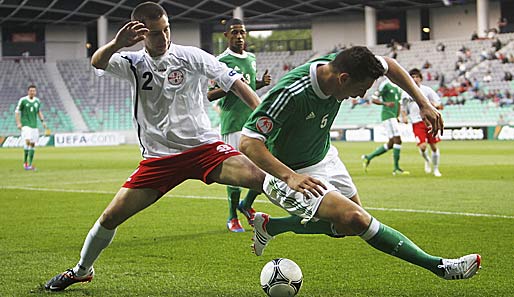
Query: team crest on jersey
<point x="176" y="77"/>
<point x="264" y="125"/>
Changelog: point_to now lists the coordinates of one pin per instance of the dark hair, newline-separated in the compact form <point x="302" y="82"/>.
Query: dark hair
<point x="232" y="22"/>
<point x="31" y="86"/>
<point x="148" y="11"/>
<point x="415" y="71"/>
<point x="359" y="62"/>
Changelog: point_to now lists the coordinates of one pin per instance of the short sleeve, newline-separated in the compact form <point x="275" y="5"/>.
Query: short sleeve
<point x="119" y="66"/>
<point x="433" y="97"/>
<point x="383" y="62"/>
<point x="19" y="106"/>
<point x="213" y="69"/>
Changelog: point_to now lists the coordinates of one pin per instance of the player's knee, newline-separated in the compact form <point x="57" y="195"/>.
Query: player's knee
<point x="356" y="220"/>
<point x="108" y="220"/>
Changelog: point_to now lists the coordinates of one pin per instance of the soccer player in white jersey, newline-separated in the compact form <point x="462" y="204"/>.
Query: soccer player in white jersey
<point x="169" y="85"/>
<point x="411" y="111"/>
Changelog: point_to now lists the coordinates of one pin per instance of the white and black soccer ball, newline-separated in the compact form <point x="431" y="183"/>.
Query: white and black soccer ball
<point x="281" y="277"/>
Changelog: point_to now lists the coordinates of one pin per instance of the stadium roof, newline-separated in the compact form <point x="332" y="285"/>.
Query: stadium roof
<point x="86" y="12"/>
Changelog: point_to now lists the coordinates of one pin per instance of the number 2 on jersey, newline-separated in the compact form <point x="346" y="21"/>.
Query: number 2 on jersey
<point x="148" y="76"/>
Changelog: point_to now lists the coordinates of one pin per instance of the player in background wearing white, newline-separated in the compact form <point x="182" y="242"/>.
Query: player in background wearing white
<point x="411" y="111"/>
<point x="169" y="83"/>
<point x="26" y="114"/>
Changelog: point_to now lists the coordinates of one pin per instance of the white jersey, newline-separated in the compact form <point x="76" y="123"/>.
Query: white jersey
<point x="412" y="108"/>
<point x="168" y="94"/>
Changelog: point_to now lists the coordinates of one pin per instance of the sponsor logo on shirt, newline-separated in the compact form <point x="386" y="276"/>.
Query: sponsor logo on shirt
<point x="176" y="77"/>
<point x="310" y="116"/>
<point x="264" y="125"/>
<point x="225" y="148"/>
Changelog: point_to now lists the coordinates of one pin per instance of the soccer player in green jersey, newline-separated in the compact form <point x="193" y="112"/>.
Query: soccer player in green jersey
<point x="288" y="136"/>
<point x="234" y="112"/>
<point x="388" y="95"/>
<point x="27" y="112"/>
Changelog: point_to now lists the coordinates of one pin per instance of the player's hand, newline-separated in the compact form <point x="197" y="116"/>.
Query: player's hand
<point x="389" y="104"/>
<point x="130" y="34"/>
<point x="306" y="184"/>
<point x="19" y="126"/>
<point x="266" y="78"/>
<point x="45" y="126"/>
<point x="433" y="119"/>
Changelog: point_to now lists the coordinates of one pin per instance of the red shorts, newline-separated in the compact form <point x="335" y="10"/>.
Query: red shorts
<point x="421" y="132"/>
<point x="163" y="174"/>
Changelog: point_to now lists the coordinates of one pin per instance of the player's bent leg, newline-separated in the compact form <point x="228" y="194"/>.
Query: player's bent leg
<point x="346" y="215"/>
<point x="238" y="171"/>
<point x="125" y="204"/>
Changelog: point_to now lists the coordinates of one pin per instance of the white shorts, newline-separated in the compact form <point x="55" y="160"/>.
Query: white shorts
<point x="32" y="134"/>
<point x="232" y="139"/>
<point x="330" y="171"/>
<point x="391" y="127"/>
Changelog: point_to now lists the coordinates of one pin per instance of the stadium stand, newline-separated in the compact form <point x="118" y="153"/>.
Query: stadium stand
<point x="104" y="102"/>
<point x="17" y="75"/>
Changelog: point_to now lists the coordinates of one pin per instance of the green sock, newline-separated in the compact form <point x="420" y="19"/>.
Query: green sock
<point x="277" y="226"/>
<point x="31" y="155"/>
<point x="250" y="198"/>
<point x="25" y="155"/>
<point x="390" y="241"/>
<point x="377" y="152"/>
<point x="396" y="155"/>
<point x="233" y="201"/>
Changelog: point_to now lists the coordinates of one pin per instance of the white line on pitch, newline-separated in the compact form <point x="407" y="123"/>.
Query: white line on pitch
<point x="467" y="214"/>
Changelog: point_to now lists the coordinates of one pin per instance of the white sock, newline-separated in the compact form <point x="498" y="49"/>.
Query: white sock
<point x="97" y="239"/>
<point x="435" y="159"/>
<point x="397" y="146"/>
<point x="372" y="230"/>
<point x="386" y="147"/>
<point x="424" y="154"/>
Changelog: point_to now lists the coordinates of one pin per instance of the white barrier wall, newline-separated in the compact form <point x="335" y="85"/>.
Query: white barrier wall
<point x="65" y="42"/>
<point x="333" y="31"/>
<point x="413" y="25"/>
<point x="459" y="21"/>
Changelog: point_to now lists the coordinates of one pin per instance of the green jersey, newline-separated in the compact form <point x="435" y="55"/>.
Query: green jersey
<point x="234" y="112"/>
<point x="295" y="117"/>
<point x="28" y="110"/>
<point x="389" y="92"/>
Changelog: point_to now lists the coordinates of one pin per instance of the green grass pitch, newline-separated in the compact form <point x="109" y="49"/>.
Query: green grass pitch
<point x="180" y="246"/>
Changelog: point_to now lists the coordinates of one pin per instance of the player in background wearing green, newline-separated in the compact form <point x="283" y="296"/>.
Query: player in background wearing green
<point x="234" y="112"/>
<point x="27" y="112"/>
<point x="388" y="95"/>
<point x="288" y="136"/>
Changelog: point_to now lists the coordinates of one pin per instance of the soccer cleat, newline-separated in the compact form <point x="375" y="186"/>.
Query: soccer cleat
<point x="30" y="167"/>
<point x="234" y="225"/>
<point x="461" y="268"/>
<point x="68" y="278"/>
<point x="437" y="173"/>
<point x="365" y="163"/>
<point x="261" y="237"/>
<point x="248" y="213"/>
<point x="428" y="169"/>
<point x="400" y="172"/>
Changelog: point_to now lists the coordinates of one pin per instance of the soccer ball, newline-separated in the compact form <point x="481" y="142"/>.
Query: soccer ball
<point x="281" y="277"/>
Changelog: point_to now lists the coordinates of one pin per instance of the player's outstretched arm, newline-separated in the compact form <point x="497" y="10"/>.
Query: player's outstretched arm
<point x="128" y="35"/>
<point x="256" y="150"/>
<point x="398" y="75"/>
<point x="243" y="91"/>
